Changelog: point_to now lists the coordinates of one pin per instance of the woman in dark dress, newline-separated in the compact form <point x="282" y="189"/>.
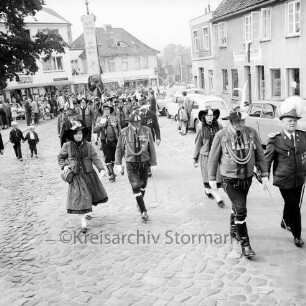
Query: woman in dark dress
<point x="86" y="188"/>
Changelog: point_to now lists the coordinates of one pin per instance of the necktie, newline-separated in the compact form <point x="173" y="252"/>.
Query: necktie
<point x="292" y="139"/>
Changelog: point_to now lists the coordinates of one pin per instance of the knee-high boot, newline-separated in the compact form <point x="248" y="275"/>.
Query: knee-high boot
<point x="233" y="228"/>
<point x="111" y="173"/>
<point x="244" y="240"/>
<point x="140" y="203"/>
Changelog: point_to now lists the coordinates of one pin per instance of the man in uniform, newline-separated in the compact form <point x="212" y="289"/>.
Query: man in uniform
<point x="237" y="148"/>
<point x="136" y="145"/>
<point x="109" y="127"/>
<point x="287" y="151"/>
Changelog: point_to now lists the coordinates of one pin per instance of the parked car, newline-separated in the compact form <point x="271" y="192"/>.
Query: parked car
<point x="20" y="112"/>
<point x="264" y="118"/>
<point x="201" y="102"/>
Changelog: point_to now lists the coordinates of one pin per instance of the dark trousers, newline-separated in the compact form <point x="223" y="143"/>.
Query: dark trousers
<point x="237" y="191"/>
<point x="55" y="112"/>
<point x="29" y="118"/>
<point x="32" y="144"/>
<point x="138" y="177"/>
<point x="109" y="150"/>
<point x="17" y="149"/>
<point x="88" y="136"/>
<point x="36" y="118"/>
<point x="292" y="212"/>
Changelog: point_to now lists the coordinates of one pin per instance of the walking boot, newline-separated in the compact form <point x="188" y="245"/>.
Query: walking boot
<point x="233" y="228"/>
<point x="246" y="248"/>
<point x="140" y="204"/>
<point x="111" y="174"/>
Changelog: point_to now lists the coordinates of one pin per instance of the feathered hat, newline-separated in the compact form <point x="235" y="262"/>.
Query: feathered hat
<point x="292" y="107"/>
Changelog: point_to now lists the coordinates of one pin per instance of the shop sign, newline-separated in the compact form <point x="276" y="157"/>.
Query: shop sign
<point x="241" y="55"/>
<point x="60" y="79"/>
<point x="25" y="79"/>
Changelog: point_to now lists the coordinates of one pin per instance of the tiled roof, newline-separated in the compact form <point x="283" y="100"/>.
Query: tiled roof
<point x="107" y="40"/>
<point x="228" y="7"/>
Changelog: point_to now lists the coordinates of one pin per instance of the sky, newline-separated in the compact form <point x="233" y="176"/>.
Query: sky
<point x="156" y="23"/>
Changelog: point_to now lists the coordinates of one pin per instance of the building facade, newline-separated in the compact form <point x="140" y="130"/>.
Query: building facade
<point x="202" y="50"/>
<point x="124" y="60"/>
<point x="257" y="46"/>
<point x="53" y="74"/>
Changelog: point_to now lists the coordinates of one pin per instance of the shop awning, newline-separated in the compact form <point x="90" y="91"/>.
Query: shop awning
<point x="35" y="85"/>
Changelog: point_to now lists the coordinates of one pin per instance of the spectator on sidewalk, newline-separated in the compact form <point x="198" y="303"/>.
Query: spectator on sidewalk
<point x="28" y="110"/>
<point x="3" y="118"/>
<point x="32" y="139"/>
<point x="35" y="107"/>
<point x="15" y="138"/>
<point x="85" y="188"/>
<point x="8" y="113"/>
<point x="187" y="103"/>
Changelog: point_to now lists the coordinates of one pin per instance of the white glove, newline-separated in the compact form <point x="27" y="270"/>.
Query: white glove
<point x="195" y="163"/>
<point x="119" y="168"/>
<point x="158" y="142"/>
<point x="66" y="167"/>
<point x="264" y="184"/>
<point x="102" y="174"/>
<point x="213" y="185"/>
<point x="153" y="168"/>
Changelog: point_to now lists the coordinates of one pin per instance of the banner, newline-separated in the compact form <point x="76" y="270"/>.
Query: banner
<point x="93" y="65"/>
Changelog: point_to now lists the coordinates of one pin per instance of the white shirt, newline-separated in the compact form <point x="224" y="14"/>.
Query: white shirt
<point x="289" y="135"/>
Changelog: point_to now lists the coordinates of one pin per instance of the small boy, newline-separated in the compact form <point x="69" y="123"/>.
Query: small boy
<point x="15" y="138"/>
<point x="32" y="139"/>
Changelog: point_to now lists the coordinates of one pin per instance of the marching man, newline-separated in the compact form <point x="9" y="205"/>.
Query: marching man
<point x="136" y="145"/>
<point x="236" y="149"/>
<point x="287" y="151"/>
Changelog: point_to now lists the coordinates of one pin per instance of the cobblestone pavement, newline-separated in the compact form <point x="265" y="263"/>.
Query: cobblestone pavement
<point x="106" y="268"/>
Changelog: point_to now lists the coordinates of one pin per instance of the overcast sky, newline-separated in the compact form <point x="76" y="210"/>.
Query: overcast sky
<point x="155" y="22"/>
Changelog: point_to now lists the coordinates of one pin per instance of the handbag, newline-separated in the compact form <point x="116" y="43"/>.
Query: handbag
<point x="67" y="175"/>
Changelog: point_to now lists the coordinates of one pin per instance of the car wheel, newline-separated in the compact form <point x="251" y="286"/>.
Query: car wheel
<point x="163" y="112"/>
<point x="167" y="114"/>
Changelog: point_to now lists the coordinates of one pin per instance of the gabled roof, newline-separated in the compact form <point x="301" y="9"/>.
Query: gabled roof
<point x="46" y="15"/>
<point x="233" y="7"/>
<point x="107" y="40"/>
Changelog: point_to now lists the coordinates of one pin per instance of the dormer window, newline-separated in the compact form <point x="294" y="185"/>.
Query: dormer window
<point x="118" y="44"/>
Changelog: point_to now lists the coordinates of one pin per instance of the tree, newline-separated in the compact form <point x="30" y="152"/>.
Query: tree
<point x="18" y="51"/>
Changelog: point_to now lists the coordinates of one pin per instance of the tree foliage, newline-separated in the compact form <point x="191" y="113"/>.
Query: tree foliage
<point x="19" y="51"/>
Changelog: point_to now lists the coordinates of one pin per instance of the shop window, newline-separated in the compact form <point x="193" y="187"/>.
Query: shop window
<point x="276" y="82"/>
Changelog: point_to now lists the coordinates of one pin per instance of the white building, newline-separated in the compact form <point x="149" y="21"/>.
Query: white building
<point x="53" y="74"/>
<point x="125" y="61"/>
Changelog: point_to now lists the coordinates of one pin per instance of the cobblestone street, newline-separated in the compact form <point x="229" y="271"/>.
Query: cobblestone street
<point x="121" y="261"/>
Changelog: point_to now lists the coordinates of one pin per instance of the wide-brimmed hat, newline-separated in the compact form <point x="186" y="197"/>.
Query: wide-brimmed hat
<point x="236" y="114"/>
<point x="216" y="113"/>
<point x="77" y="125"/>
<point x="108" y="105"/>
<point x="292" y="107"/>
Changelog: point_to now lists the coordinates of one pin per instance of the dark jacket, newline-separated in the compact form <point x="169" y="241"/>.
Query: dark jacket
<point x="289" y="161"/>
<point x="149" y="119"/>
<point x="88" y="115"/>
<point x="223" y="146"/>
<point x="28" y="107"/>
<point x="16" y="136"/>
<point x="73" y="155"/>
<point x="27" y="137"/>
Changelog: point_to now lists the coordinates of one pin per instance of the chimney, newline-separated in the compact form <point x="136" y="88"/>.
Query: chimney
<point x="107" y="28"/>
